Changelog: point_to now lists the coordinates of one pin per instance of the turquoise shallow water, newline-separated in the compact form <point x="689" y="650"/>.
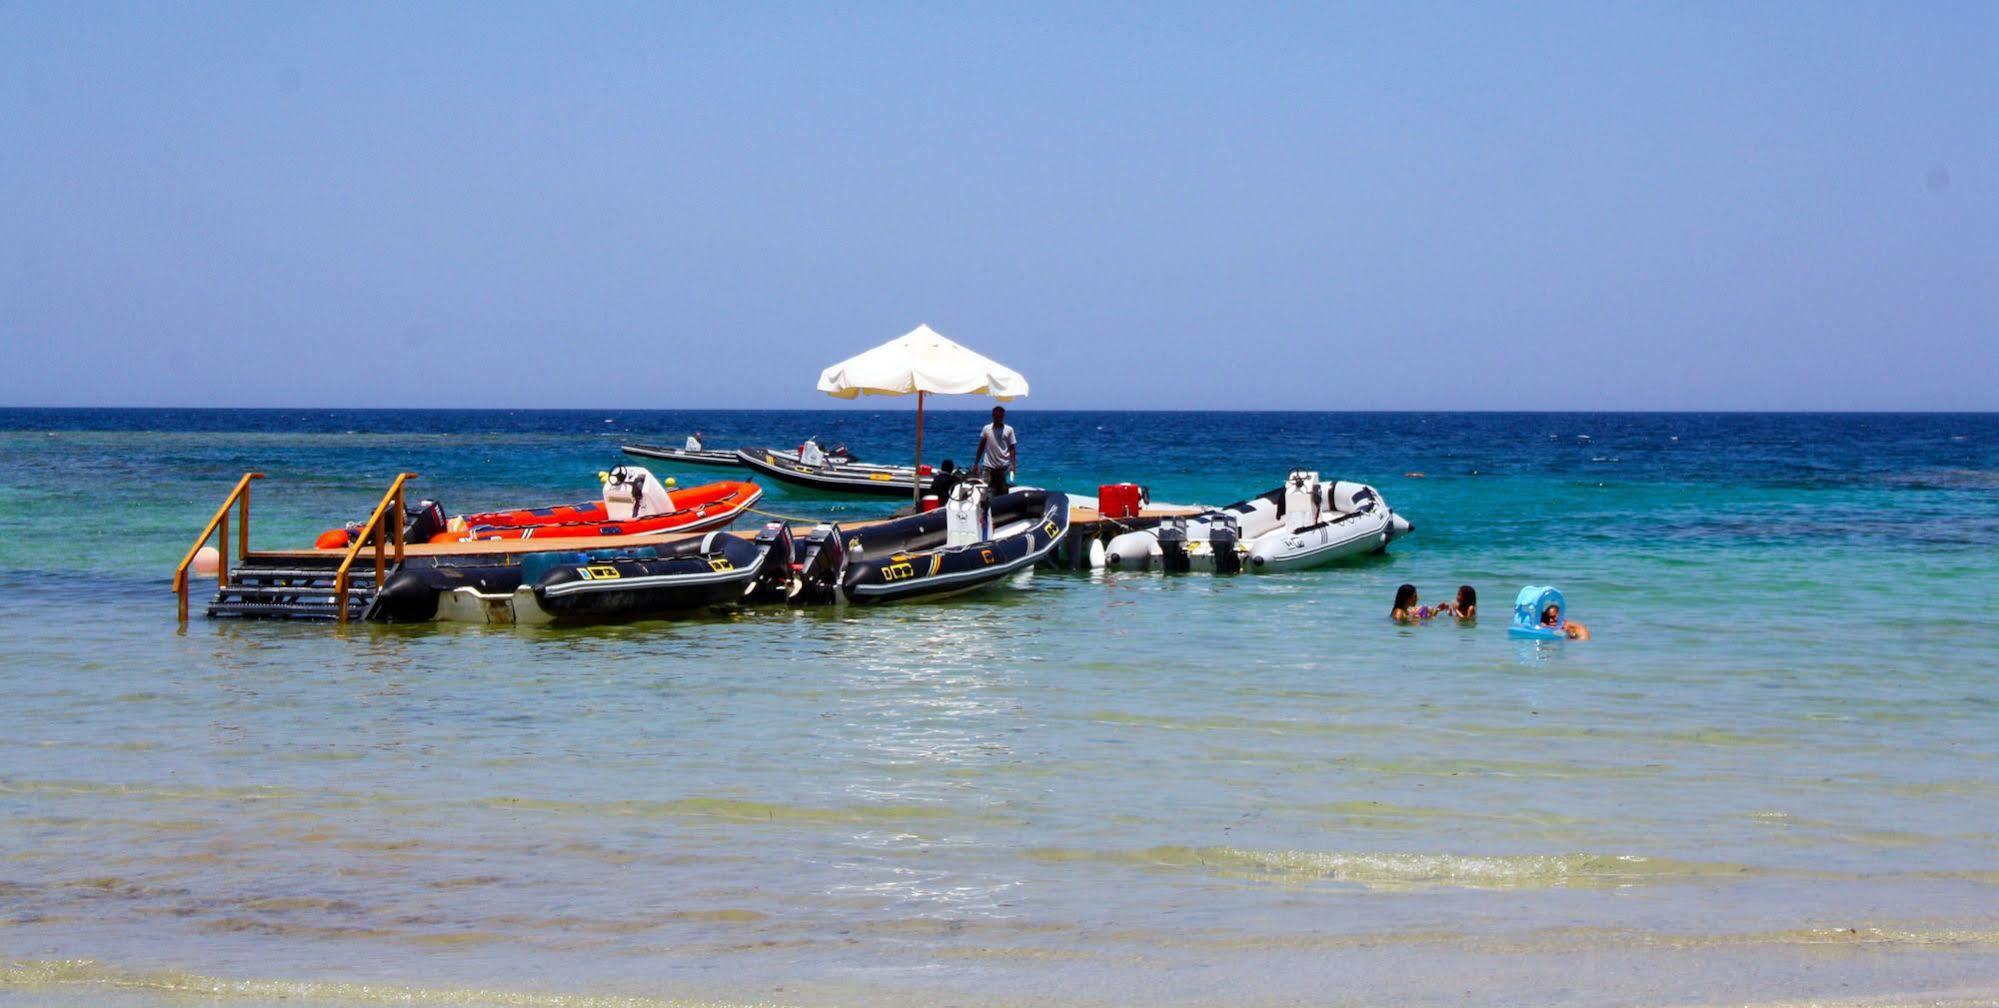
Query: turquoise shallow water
<point x="1772" y="777"/>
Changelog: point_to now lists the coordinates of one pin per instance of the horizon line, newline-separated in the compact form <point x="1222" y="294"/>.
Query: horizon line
<point x="1010" y="409"/>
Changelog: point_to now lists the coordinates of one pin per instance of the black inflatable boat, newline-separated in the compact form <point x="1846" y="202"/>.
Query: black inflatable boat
<point x="915" y="557"/>
<point x="606" y="585"/>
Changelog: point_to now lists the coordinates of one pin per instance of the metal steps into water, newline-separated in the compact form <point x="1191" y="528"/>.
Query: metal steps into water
<point x="293" y="589"/>
<point x="322" y="585"/>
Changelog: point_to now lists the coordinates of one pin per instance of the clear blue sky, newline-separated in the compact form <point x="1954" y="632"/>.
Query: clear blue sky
<point x="1386" y="206"/>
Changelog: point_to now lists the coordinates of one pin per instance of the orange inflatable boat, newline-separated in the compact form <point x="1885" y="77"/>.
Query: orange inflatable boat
<point x="634" y="503"/>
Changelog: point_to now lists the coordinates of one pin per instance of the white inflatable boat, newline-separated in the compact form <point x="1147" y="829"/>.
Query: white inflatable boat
<point x="1304" y="523"/>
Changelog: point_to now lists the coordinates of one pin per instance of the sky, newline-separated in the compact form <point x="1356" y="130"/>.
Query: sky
<point x="1706" y="206"/>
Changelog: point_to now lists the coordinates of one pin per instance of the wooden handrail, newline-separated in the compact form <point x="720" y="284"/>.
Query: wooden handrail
<point x="239" y="496"/>
<point x="372" y="531"/>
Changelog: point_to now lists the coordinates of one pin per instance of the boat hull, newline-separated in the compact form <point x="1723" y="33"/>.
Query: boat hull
<point x="716" y="570"/>
<point x="690" y="575"/>
<point x="1328" y="542"/>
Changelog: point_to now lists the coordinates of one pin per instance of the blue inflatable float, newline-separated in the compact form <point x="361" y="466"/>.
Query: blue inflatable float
<point x="1527" y="608"/>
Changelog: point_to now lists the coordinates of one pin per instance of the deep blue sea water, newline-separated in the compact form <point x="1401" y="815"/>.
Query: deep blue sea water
<point x="1771" y="778"/>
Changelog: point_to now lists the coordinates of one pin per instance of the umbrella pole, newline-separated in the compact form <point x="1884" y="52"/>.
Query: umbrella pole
<point x="916" y="476"/>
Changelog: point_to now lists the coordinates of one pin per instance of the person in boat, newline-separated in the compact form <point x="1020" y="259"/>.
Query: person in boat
<point x="1465" y="606"/>
<point x="947" y="477"/>
<point x="1551" y="617"/>
<point x="694" y="441"/>
<point x="1407" y="609"/>
<point x="999" y="452"/>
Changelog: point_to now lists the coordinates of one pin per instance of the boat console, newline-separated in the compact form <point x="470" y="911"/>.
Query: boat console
<point x="968" y="515"/>
<point x="634" y="492"/>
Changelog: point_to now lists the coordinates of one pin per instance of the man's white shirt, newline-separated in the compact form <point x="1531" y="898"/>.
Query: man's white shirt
<point x="996" y="452"/>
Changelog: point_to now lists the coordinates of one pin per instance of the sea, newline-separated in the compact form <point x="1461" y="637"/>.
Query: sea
<point x="1771" y="778"/>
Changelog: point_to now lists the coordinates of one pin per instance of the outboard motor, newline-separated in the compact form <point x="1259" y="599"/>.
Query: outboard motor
<point x="821" y="567"/>
<point x="774" y="581"/>
<point x="1173" y="546"/>
<point x="968" y="516"/>
<point x="423" y="521"/>
<point x="633" y="492"/>
<point x="1224" y="533"/>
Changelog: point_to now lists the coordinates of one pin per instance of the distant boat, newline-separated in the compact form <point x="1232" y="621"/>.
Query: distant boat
<point x="721" y="457"/>
<point x="684" y="456"/>
<point x="853" y="477"/>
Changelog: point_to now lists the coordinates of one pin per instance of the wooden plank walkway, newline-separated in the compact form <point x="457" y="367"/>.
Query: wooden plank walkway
<point x="1081" y="519"/>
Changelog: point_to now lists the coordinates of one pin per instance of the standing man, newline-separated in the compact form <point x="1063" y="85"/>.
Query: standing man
<point x="999" y="452"/>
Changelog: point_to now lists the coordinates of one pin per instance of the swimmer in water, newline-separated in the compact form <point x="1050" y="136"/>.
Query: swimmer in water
<point x="1406" y="610"/>
<point x="1551" y="618"/>
<point x="1465" y="606"/>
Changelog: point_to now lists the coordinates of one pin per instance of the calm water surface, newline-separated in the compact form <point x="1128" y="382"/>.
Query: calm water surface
<point x="1772" y="778"/>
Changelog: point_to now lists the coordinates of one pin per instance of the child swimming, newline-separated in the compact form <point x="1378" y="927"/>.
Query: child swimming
<point x="1465" y="606"/>
<point x="1406" y="610"/>
<point x="1551" y="617"/>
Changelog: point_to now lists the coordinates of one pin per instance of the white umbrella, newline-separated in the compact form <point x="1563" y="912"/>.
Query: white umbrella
<point x="921" y="361"/>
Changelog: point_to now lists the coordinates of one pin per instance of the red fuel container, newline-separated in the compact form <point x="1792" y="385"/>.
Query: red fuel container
<point x="1120" y="500"/>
